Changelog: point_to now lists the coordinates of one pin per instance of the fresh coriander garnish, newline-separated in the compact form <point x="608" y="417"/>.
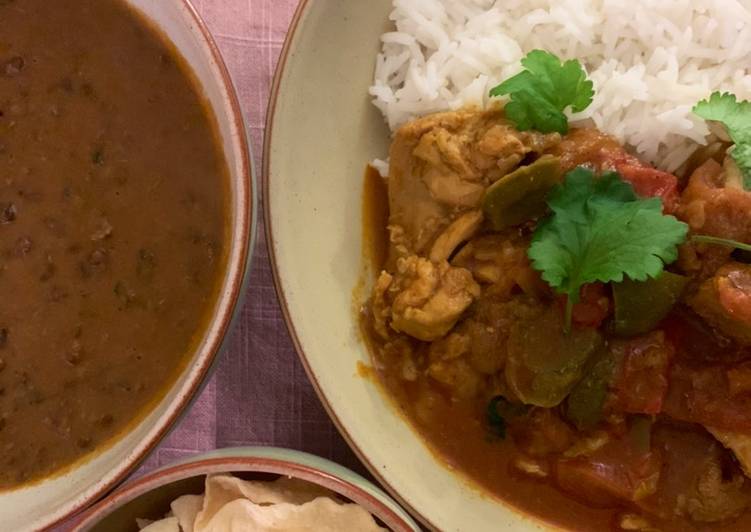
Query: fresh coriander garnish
<point x="736" y="117"/>
<point x="541" y="92"/>
<point x="721" y="242"/>
<point x="499" y="411"/>
<point x="601" y="231"/>
<point x="496" y="423"/>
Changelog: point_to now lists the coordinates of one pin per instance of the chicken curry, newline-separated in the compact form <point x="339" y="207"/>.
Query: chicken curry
<point x="113" y="221"/>
<point x="625" y="405"/>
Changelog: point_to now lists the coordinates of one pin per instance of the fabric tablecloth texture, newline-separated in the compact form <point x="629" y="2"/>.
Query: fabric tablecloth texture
<point x="259" y="393"/>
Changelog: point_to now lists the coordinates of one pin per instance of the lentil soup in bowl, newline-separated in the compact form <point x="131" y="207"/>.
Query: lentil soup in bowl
<point x="126" y="218"/>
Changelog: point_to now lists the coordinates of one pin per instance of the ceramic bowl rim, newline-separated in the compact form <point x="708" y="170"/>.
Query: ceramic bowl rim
<point x="198" y="466"/>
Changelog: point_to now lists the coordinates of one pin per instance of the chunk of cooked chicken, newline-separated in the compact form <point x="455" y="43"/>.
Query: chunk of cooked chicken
<point x="450" y="347"/>
<point x="501" y="260"/>
<point x="381" y="305"/>
<point x="739" y="379"/>
<point x="714" y="497"/>
<point x="447" y="172"/>
<point x="440" y="166"/>
<point x="460" y="230"/>
<point x="697" y="480"/>
<point x="467" y="361"/>
<point x="724" y="301"/>
<point x="448" y="366"/>
<point x="591" y="147"/>
<point x="541" y="433"/>
<point x="427" y="299"/>
<point x="737" y="442"/>
<point x="636" y="522"/>
<point x="713" y="205"/>
<point x="487" y="349"/>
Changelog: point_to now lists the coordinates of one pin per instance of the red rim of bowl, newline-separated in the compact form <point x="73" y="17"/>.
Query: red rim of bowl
<point x="178" y="472"/>
<point x="269" y="131"/>
<point x="236" y="283"/>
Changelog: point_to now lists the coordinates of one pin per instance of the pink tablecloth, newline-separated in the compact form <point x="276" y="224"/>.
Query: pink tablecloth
<point x="259" y="394"/>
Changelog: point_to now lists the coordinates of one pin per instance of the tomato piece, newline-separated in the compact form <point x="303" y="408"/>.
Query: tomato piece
<point x="631" y="377"/>
<point x="695" y="341"/>
<point x="641" y="377"/>
<point x="593" y="307"/>
<point x="703" y="394"/>
<point x="649" y="182"/>
<point x="541" y="433"/>
<point x="724" y="301"/>
<point x="620" y="470"/>
<point x="708" y="379"/>
<point x="739" y="379"/>
<point x="593" y="148"/>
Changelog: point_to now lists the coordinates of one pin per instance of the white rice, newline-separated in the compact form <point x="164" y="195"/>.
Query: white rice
<point x="650" y="60"/>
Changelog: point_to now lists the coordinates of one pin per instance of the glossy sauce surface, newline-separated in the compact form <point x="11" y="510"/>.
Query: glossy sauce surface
<point x="113" y="226"/>
<point x="457" y="432"/>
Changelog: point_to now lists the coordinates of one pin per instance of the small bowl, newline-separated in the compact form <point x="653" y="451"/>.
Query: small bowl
<point x="42" y="504"/>
<point x="150" y="495"/>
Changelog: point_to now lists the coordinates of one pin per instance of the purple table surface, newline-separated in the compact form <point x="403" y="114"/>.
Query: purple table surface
<point x="259" y="393"/>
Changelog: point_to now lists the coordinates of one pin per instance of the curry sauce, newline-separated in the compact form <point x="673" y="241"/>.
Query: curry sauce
<point x="113" y="226"/>
<point x="482" y="459"/>
<point x="652" y="459"/>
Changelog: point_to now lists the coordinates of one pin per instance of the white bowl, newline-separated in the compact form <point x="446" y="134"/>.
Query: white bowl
<point x="153" y="493"/>
<point x="41" y="504"/>
<point x="321" y="131"/>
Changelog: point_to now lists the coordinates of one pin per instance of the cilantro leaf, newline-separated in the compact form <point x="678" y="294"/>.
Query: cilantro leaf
<point x="541" y="92"/>
<point x="499" y="410"/>
<point x="736" y="117"/>
<point x="741" y="154"/>
<point x="601" y="231"/>
<point x="725" y="108"/>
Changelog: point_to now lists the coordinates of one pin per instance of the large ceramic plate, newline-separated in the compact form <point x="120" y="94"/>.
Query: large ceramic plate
<point x="321" y="131"/>
<point x="41" y="504"/>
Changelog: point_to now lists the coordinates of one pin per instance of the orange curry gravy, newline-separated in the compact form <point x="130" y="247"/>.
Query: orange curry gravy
<point x="458" y="431"/>
<point x="113" y="226"/>
<point x="476" y="454"/>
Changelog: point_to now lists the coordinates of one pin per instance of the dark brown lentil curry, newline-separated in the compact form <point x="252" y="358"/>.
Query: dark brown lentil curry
<point x="113" y="222"/>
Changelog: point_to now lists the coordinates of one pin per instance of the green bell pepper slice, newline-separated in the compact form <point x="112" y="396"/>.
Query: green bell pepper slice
<point x="641" y="305"/>
<point x="520" y="196"/>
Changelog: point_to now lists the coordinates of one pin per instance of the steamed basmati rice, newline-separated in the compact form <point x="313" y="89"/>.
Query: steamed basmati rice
<point x="650" y="60"/>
